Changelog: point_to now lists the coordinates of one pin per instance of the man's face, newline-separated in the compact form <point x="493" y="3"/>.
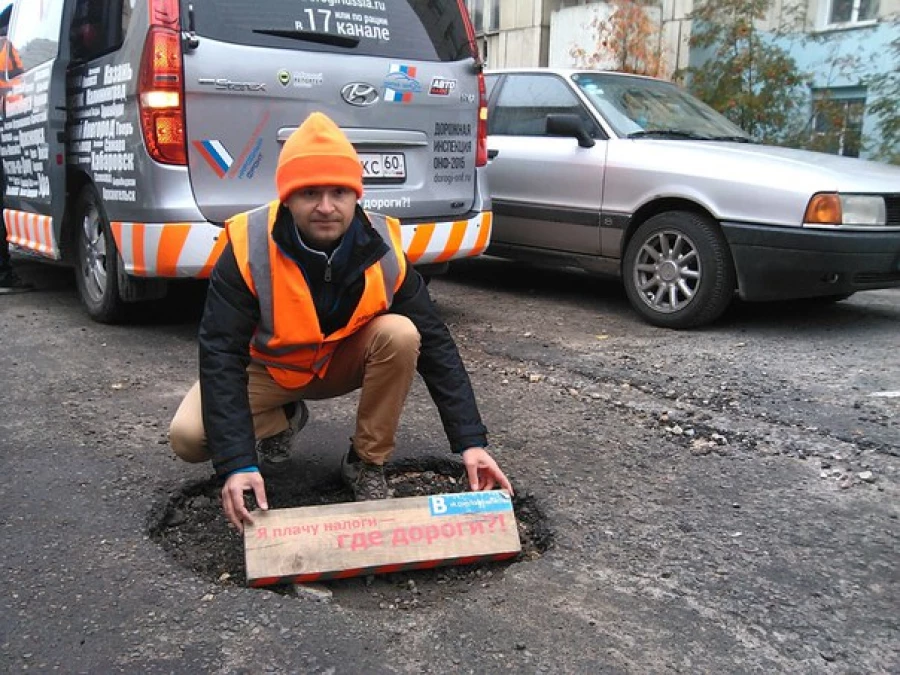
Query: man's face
<point x="322" y="213"/>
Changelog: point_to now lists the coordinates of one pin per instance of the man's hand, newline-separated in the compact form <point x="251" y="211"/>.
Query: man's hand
<point x="483" y="472"/>
<point x="233" y="497"/>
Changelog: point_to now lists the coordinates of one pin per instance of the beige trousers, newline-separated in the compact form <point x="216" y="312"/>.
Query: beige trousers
<point x="380" y="358"/>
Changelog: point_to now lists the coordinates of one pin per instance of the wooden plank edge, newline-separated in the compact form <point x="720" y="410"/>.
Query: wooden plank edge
<point x="378" y="569"/>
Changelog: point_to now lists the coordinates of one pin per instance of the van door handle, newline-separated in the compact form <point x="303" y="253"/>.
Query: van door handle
<point x="492" y="153"/>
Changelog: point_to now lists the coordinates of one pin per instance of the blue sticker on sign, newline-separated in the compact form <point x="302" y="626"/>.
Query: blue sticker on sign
<point x="469" y="502"/>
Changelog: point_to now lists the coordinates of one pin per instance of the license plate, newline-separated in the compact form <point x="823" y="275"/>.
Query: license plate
<point x="384" y="165"/>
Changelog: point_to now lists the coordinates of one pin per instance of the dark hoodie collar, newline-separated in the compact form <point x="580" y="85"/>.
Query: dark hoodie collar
<point x="360" y="247"/>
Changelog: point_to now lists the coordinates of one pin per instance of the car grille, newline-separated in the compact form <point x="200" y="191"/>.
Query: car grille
<point x="876" y="277"/>
<point x="892" y="206"/>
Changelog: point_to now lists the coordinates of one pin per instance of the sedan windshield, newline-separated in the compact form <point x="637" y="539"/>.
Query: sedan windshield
<point x="640" y="107"/>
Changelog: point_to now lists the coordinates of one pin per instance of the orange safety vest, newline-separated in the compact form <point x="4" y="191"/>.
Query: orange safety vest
<point x="10" y="63"/>
<point x="288" y="339"/>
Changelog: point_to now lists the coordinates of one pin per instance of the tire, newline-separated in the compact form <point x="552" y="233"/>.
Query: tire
<point x="678" y="271"/>
<point x="97" y="260"/>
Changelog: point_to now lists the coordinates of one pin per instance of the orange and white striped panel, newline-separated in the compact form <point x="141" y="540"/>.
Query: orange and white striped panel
<point x="168" y="249"/>
<point x="442" y="242"/>
<point x="31" y="232"/>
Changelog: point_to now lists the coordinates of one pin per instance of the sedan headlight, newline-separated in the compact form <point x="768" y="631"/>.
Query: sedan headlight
<point x="837" y="209"/>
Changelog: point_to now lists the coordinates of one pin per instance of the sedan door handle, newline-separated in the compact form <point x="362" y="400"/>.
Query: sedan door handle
<point x="492" y="153"/>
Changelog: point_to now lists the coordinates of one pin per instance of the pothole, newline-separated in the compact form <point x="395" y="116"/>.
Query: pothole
<point x="190" y="526"/>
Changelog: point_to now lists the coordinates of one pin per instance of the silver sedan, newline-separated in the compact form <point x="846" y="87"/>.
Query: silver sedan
<point x="631" y="176"/>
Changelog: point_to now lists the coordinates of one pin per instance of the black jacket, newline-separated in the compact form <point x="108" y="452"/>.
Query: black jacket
<point x="232" y="314"/>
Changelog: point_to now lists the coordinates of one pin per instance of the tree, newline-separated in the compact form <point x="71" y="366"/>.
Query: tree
<point x="747" y="76"/>
<point x="885" y="86"/>
<point x="627" y="40"/>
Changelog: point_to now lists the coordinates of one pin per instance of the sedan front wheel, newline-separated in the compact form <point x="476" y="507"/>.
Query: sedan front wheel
<point x="678" y="271"/>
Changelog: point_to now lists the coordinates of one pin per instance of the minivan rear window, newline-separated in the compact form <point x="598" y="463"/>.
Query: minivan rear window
<point x="422" y="30"/>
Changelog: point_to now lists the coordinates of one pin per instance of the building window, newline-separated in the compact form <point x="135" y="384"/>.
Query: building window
<point x="852" y="11"/>
<point x="485" y="15"/>
<point x="837" y="121"/>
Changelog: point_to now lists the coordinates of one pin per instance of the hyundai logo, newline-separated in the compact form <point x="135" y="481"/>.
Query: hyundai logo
<point x="359" y="93"/>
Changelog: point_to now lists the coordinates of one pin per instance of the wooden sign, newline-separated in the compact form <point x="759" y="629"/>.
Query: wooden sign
<point x="345" y="540"/>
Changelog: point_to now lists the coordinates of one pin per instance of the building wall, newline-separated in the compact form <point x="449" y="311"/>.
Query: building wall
<point x="840" y="57"/>
<point x="840" y="61"/>
<point x="676" y="31"/>
<point x="543" y="32"/>
<point x="523" y="36"/>
<point x="571" y="27"/>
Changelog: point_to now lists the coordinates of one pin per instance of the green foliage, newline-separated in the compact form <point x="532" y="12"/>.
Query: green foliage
<point x="884" y="87"/>
<point x="747" y="77"/>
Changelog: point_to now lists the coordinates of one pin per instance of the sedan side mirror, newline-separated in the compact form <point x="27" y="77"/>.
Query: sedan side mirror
<point x="569" y="125"/>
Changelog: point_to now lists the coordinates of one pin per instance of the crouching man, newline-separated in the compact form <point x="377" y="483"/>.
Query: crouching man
<point x="313" y="298"/>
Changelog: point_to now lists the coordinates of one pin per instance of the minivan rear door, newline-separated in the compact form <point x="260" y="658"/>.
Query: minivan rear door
<point x="399" y="77"/>
<point x="32" y="142"/>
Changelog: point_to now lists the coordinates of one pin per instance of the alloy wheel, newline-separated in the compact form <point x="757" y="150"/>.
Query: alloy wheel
<point x="93" y="256"/>
<point x="668" y="271"/>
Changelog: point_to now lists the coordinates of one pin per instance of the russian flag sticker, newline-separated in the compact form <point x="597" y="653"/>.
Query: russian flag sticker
<point x="215" y="155"/>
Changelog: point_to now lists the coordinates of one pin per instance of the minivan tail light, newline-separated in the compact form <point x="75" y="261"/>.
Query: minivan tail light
<point x="161" y="94"/>
<point x="481" y="154"/>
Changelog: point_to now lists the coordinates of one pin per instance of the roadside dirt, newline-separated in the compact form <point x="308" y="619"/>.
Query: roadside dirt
<point x="726" y="491"/>
<point x="720" y="501"/>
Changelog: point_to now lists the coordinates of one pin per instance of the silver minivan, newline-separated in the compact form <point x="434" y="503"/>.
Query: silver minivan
<point x="134" y="128"/>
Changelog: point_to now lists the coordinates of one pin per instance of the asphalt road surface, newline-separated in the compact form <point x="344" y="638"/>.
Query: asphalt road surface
<point x="717" y="501"/>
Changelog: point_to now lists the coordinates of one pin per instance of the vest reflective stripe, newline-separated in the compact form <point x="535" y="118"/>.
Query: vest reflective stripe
<point x="288" y="339"/>
<point x="261" y="268"/>
<point x="394" y="265"/>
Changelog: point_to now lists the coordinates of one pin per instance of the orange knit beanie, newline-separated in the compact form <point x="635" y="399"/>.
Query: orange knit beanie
<point x="317" y="153"/>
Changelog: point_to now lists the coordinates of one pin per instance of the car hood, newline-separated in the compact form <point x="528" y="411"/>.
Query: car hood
<point x="768" y="165"/>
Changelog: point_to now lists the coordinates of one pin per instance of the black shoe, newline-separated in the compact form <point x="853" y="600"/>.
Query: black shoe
<point x="12" y="283"/>
<point x="277" y="449"/>
<point x="365" y="480"/>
